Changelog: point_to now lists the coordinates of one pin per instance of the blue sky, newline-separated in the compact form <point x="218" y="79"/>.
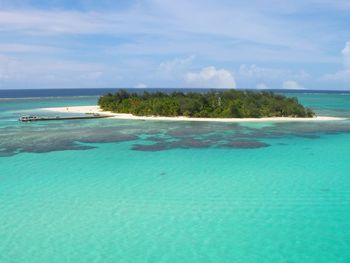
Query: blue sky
<point x="166" y="43"/>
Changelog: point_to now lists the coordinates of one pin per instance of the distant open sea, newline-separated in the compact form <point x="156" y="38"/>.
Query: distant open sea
<point x="109" y="190"/>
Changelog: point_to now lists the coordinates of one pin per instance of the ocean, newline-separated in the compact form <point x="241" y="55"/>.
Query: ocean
<point x="153" y="191"/>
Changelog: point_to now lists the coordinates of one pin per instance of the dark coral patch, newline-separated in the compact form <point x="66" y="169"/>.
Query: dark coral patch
<point x="155" y="136"/>
<point x="184" y="130"/>
<point x="185" y="143"/>
<point x="150" y="148"/>
<point x="7" y="152"/>
<point x="54" y="147"/>
<point x="155" y="139"/>
<point x="190" y="143"/>
<point x="246" y="144"/>
<point x="102" y="138"/>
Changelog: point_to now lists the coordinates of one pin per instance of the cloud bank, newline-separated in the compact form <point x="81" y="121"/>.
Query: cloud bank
<point x="210" y="77"/>
<point x="291" y="84"/>
<point x="122" y="43"/>
<point x="344" y="74"/>
<point x="346" y="54"/>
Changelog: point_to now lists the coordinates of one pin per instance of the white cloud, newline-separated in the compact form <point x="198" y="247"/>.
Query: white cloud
<point x="346" y="54"/>
<point x="52" y="22"/>
<point x="261" y="86"/>
<point x="173" y="68"/>
<point x="222" y="32"/>
<point x="140" y="86"/>
<point x="344" y="74"/>
<point x="92" y="75"/>
<point x="55" y="73"/>
<point x="210" y="77"/>
<point x="291" y="84"/>
<point x="23" y="48"/>
<point x="255" y="72"/>
<point x="178" y="27"/>
<point x="156" y="18"/>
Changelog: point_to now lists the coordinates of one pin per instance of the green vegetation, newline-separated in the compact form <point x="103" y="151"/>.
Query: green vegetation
<point x="213" y="104"/>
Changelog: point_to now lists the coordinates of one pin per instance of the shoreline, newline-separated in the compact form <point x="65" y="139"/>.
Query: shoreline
<point x="126" y="116"/>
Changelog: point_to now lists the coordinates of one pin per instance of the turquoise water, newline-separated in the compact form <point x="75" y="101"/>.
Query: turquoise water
<point x="139" y="191"/>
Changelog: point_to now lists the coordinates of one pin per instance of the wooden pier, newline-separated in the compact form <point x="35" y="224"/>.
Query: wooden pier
<point x="60" y="118"/>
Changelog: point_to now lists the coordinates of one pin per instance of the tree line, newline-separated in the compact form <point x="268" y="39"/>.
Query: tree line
<point x="212" y="104"/>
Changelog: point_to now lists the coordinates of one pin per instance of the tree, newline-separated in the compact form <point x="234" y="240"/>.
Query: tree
<point x="213" y="104"/>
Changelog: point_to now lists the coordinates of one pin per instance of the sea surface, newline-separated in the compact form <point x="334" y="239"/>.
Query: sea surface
<point x="152" y="191"/>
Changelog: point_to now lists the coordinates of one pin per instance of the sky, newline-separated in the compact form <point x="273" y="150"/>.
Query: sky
<point x="251" y="44"/>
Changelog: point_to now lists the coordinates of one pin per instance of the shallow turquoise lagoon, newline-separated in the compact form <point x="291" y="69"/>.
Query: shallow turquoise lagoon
<point x="139" y="191"/>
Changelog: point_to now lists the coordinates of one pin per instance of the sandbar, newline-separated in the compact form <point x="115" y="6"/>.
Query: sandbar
<point x="125" y="116"/>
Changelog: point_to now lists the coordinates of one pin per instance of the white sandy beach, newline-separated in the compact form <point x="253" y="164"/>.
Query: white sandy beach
<point x="123" y="116"/>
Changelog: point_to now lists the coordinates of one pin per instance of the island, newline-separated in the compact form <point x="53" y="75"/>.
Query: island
<point x="212" y="104"/>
